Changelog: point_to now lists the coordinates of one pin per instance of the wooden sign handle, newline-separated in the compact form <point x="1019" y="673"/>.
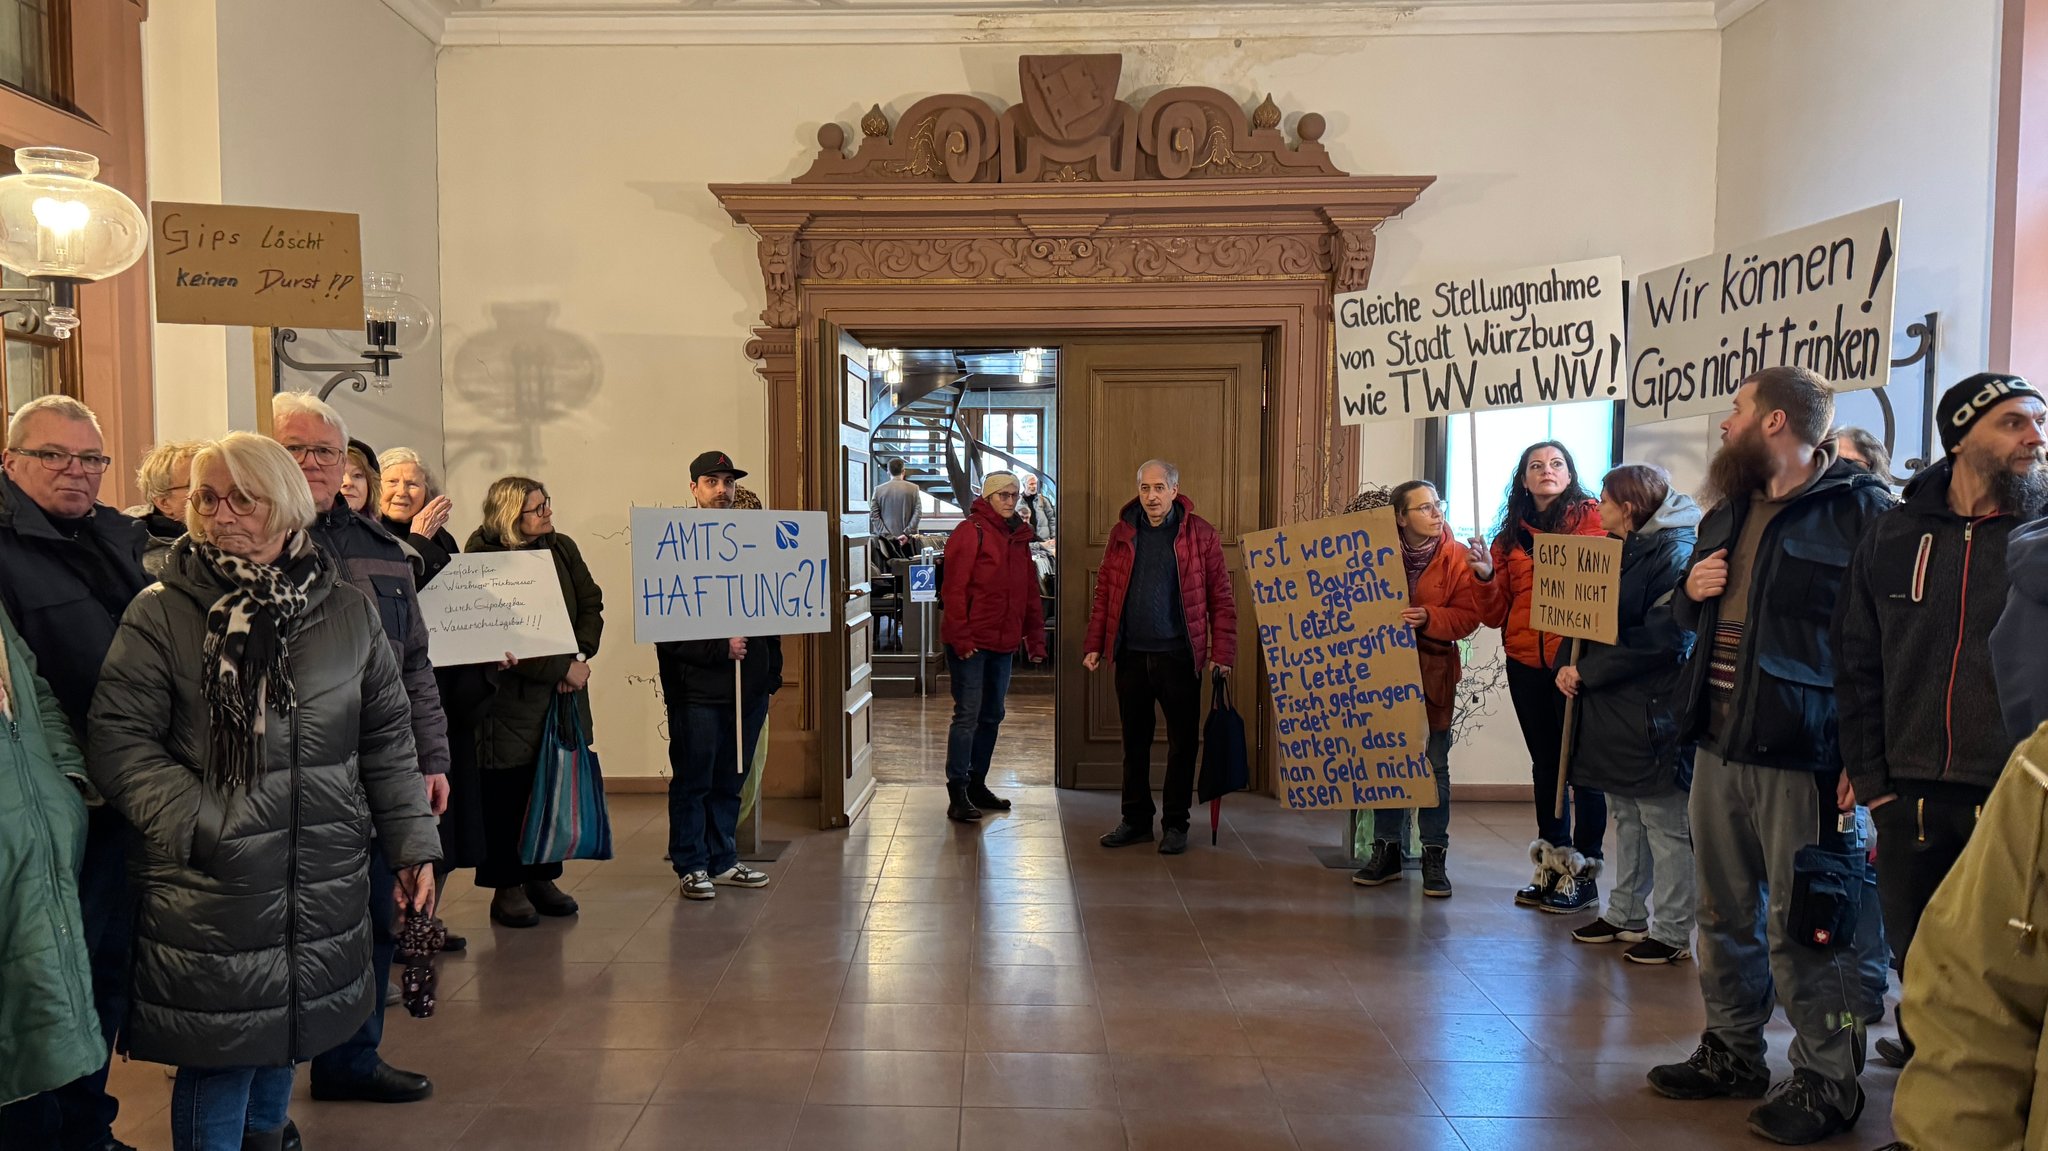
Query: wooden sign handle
<point x="1564" y="749"/>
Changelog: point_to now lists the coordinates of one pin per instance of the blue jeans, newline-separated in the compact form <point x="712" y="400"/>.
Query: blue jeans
<point x="704" y="789"/>
<point x="211" y="1107"/>
<point x="1653" y="867"/>
<point x="356" y="1058"/>
<point x="980" y="684"/>
<point x="80" y="1114"/>
<point x="1873" y="953"/>
<point x="1390" y="824"/>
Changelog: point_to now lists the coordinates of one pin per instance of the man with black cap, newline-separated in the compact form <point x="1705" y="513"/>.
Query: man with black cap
<point x="1922" y="737"/>
<point x="703" y="747"/>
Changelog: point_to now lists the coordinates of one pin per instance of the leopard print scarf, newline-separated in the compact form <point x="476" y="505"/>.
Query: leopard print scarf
<point x="247" y="664"/>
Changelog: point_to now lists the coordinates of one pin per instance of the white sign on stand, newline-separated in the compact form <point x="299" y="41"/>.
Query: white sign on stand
<point x="1820" y="297"/>
<point x="484" y="605"/>
<point x="711" y="574"/>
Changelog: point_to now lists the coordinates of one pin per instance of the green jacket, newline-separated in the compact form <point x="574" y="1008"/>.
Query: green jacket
<point x="49" y="1031"/>
<point x="1977" y="981"/>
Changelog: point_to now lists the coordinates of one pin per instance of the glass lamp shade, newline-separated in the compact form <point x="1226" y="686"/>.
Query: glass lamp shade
<point x="58" y="223"/>
<point x="402" y="319"/>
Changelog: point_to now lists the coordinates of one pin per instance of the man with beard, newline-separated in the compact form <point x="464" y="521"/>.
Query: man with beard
<point x="1922" y="737"/>
<point x="1758" y="699"/>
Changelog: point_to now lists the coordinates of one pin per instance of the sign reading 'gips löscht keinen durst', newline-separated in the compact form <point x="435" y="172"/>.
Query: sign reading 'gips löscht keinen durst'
<point x="262" y="267"/>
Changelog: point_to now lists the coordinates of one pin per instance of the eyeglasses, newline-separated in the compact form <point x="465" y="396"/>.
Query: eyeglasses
<point x="93" y="463"/>
<point x="1430" y="508"/>
<point x="206" y="502"/>
<point x="545" y="507"/>
<point x="323" y="455"/>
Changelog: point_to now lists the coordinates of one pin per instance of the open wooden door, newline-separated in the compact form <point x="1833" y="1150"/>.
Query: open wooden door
<point x="1198" y="402"/>
<point x="846" y="682"/>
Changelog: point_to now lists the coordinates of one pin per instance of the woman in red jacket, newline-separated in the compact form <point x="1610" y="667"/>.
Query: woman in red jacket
<point x="1544" y="497"/>
<point x="989" y="598"/>
<point x="1443" y="608"/>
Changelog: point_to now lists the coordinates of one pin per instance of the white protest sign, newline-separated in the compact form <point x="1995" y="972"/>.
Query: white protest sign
<point x="484" y="605"/>
<point x="1820" y="298"/>
<point x="710" y="574"/>
<point x="1543" y="335"/>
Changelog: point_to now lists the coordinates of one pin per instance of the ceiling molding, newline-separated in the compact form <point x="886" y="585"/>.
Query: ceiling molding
<point x="1014" y="23"/>
<point x="428" y="17"/>
<point x="1729" y="11"/>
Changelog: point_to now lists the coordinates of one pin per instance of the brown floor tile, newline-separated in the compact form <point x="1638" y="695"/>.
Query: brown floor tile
<point x="494" y="983"/>
<point x="573" y="1076"/>
<point x="647" y="1026"/>
<point x="940" y="917"/>
<point x="1029" y="948"/>
<point x="1358" y="1132"/>
<point x="1036" y="986"/>
<point x="947" y="947"/>
<point x="888" y="1078"/>
<point x="715" y="1125"/>
<point x="1347" y="1087"/>
<point x="1039" y="1079"/>
<point x="1504" y="1090"/>
<point x="771" y="1025"/>
<point x="898" y="1027"/>
<point x="1211" y="1030"/>
<point x="1138" y="984"/>
<point x="472" y="1074"/>
<point x="551" y="1127"/>
<point x="905" y="982"/>
<point x="925" y="891"/>
<point x="678" y="980"/>
<point x="1042" y="890"/>
<point x="983" y="1129"/>
<point x="796" y="947"/>
<point x="1458" y="1038"/>
<point x="1192" y="1083"/>
<point x="432" y="1125"/>
<point x="877" y="1129"/>
<point x="1303" y="986"/>
<point x="1584" y="1133"/>
<point x="1179" y="1131"/>
<point x="747" y="1076"/>
<point x="1553" y="993"/>
<point x="1019" y="1027"/>
<point x="1331" y="1034"/>
<point x="787" y="982"/>
<point x="1029" y="917"/>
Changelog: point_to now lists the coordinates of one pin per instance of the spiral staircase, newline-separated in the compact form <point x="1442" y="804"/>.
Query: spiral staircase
<point x="922" y="423"/>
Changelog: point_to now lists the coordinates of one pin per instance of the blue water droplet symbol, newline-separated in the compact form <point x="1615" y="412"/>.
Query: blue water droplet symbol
<point x="785" y="535"/>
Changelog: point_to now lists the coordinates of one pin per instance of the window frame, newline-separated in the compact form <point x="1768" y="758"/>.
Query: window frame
<point x="63" y="72"/>
<point x="1436" y="448"/>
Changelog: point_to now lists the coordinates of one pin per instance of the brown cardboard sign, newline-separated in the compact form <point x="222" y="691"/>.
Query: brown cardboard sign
<point x="1578" y="587"/>
<point x="1340" y="663"/>
<point x="263" y="267"/>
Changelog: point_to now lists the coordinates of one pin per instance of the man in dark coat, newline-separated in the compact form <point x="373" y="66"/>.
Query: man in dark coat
<point x="68" y="569"/>
<point x="1758" y="698"/>
<point x="704" y="748"/>
<point x="371" y="559"/>
<point x="1922" y="736"/>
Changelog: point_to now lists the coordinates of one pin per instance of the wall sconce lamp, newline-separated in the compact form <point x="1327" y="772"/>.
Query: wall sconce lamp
<point x="60" y="225"/>
<point x="395" y="323"/>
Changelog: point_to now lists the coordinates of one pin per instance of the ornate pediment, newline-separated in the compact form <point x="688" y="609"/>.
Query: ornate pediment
<point x="1071" y="127"/>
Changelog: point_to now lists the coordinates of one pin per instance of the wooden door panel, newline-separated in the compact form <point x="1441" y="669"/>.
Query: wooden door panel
<point x="846" y="776"/>
<point x="1196" y="403"/>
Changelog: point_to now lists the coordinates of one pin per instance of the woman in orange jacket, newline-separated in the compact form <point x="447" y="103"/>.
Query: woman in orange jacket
<point x="1444" y="606"/>
<point x="1544" y="497"/>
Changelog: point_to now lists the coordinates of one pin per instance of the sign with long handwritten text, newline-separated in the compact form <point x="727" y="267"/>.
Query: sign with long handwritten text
<point x="1578" y="587"/>
<point x="710" y="574"/>
<point x="1544" y="335"/>
<point x="1820" y="297"/>
<point x="263" y="267"/>
<point x="1340" y="663"/>
<point x="485" y="606"/>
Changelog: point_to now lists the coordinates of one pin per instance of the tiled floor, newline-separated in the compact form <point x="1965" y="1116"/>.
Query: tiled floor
<point x="915" y="984"/>
<point x="910" y="740"/>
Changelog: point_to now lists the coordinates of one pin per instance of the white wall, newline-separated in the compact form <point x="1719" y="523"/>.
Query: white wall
<point x="300" y="104"/>
<point x="1832" y="105"/>
<point x="573" y="186"/>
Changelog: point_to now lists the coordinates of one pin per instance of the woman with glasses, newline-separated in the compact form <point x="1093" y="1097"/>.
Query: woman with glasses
<point x="518" y="516"/>
<point x="411" y="507"/>
<point x="165" y="478"/>
<point x="252" y="725"/>
<point x="1443" y="608"/>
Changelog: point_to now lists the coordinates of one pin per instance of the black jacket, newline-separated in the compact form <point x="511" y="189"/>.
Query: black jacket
<point x="1627" y="736"/>
<point x="163" y="533"/>
<point x="429" y="554"/>
<point x="513" y="719"/>
<point x="67" y="621"/>
<point x="2019" y="660"/>
<point x="251" y="944"/>
<point x="699" y="672"/>
<point x="1783" y="713"/>
<point x="1913" y="675"/>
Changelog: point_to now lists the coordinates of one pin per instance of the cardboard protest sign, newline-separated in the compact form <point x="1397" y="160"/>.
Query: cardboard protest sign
<point x="1542" y="335"/>
<point x="263" y="267"/>
<point x="482" y="606"/>
<point x="1340" y="663"/>
<point x="1820" y="298"/>
<point x="711" y="574"/>
<point x="1578" y="587"/>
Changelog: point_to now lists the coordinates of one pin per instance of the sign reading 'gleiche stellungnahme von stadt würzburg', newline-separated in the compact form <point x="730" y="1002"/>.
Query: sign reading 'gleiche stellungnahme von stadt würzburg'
<point x="260" y="267"/>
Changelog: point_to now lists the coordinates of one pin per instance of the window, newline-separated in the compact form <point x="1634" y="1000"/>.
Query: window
<point x="1587" y="430"/>
<point x="35" y="49"/>
<point x="1013" y="430"/>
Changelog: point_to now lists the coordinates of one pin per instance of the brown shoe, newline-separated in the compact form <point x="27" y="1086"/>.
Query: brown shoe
<point x="511" y="908"/>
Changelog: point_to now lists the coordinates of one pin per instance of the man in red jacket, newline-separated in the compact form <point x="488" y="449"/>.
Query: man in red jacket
<point x="989" y="599"/>
<point x="1164" y="611"/>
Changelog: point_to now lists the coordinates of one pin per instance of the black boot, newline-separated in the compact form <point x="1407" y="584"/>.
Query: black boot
<point x="263" y="1140"/>
<point x="983" y="798"/>
<point x="958" y="806"/>
<point x="1383" y="866"/>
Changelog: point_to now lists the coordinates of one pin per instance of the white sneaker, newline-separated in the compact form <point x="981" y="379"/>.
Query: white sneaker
<point x="740" y="875"/>
<point x="697" y="885"/>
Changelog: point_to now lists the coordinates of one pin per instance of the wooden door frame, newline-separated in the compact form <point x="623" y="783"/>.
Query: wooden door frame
<point x="1189" y="214"/>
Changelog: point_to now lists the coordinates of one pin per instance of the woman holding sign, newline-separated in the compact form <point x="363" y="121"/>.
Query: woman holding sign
<point x="1544" y="497"/>
<point x="1627" y="737"/>
<point x="518" y="515"/>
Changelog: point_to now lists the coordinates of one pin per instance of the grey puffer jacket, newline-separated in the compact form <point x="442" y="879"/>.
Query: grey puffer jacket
<point x="252" y="945"/>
